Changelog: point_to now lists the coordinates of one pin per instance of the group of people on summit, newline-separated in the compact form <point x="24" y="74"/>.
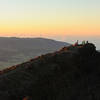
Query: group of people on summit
<point x="83" y="43"/>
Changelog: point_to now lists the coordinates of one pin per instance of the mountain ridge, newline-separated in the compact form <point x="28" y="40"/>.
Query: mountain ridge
<point x="67" y="74"/>
<point x="15" y="50"/>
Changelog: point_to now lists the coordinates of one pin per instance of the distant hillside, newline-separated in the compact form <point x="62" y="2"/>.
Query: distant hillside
<point x="72" y="73"/>
<point x="16" y="50"/>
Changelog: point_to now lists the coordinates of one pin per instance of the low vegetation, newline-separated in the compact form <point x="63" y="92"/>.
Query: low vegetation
<point x="72" y="73"/>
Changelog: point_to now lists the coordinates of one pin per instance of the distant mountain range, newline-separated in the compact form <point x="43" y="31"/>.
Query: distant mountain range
<point x="71" y="73"/>
<point x="16" y="50"/>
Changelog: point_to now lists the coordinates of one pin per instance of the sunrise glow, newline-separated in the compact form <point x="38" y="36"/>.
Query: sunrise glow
<point x="49" y="17"/>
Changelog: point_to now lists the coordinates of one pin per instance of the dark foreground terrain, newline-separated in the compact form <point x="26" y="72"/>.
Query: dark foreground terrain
<point x="72" y="73"/>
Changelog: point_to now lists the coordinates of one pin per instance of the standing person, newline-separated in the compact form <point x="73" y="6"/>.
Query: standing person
<point x="87" y="42"/>
<point x="76" y="43"/>
<point x="83" y="42"/>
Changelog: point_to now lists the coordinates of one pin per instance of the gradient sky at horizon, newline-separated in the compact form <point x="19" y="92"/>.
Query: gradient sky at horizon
<point x="50" y="18"/>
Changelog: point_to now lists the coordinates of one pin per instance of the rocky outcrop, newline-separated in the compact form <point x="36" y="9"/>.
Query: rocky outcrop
<point x="72" y="73"/>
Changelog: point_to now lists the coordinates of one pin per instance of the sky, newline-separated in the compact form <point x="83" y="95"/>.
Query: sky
<point x="50" y="18"/>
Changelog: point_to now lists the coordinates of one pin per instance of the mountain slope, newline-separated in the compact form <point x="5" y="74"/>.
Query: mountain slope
<point x="73" y="73"/>
<point x="17" y="50"/>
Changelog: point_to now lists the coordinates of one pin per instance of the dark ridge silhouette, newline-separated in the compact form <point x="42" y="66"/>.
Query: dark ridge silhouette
<point x="72" y="73"/>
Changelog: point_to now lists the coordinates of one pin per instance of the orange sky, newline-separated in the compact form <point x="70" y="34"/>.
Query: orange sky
<point x="49" y="18"/>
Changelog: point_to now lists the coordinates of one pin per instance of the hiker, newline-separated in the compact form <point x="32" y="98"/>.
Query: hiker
<point x="76" y="44"/>
<point x="87" y="42"/>
<point x="83" y="42"/>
